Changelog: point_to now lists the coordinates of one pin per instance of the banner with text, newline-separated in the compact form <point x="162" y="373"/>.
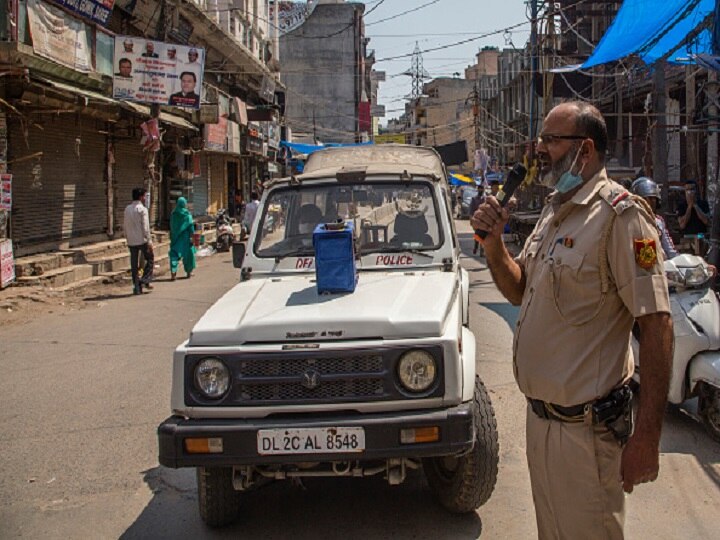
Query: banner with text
<point x="98" y="11"/>
<point x="155" y="72"/>
<point x="59" y="37"/>
<point x="7" y="263"/>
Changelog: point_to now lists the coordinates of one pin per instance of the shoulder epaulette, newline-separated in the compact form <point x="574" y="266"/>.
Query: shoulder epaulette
<point x="619" y="198"/>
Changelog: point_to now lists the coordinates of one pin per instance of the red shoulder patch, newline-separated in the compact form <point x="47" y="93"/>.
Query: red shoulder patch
<point x="622" y="196"/>
<point x="645" y="252"/>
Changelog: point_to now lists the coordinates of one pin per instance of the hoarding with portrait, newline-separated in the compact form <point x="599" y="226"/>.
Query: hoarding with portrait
<point x="149" y="71"/>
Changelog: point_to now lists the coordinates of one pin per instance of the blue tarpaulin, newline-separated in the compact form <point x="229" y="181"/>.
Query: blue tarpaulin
<point x="651" y="29"/>
<point x="307" y="149"/>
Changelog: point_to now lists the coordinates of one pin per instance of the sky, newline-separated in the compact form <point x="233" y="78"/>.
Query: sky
<point x="440" y="23"/>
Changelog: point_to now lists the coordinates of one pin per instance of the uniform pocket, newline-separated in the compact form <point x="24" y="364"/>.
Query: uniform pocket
<point x="574" y="284"/>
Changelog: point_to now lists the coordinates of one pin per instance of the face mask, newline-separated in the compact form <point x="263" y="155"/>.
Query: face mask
<point x="569" y="180"/>
<point x="305" y="228"/>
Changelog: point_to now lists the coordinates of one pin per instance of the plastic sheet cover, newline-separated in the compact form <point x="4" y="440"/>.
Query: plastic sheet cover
<point x="650" y="29"/>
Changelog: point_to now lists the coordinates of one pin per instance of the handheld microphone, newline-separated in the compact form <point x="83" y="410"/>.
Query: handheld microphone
<point x="514" y="179"/>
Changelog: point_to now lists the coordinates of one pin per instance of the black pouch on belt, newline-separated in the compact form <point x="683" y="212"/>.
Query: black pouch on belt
<point x="615" y="412"/>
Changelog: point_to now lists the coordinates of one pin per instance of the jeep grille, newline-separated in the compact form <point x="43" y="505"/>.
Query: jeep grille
<point x="302" y="378"/>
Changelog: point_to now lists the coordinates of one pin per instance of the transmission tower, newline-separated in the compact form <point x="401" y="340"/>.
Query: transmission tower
<point x="417" y="72"/>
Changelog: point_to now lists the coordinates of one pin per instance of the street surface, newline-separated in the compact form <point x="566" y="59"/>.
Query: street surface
<point x="83" y="390"/>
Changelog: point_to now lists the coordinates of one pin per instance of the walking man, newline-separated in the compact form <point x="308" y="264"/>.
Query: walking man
<point x="589" y="270"/>
<point x="137" y="234"/>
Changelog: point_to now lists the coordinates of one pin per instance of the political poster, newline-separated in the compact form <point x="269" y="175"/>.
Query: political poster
<point x="149" y="71"/>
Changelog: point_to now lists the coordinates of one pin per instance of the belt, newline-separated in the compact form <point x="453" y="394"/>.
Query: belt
<point x="550" y="411"/>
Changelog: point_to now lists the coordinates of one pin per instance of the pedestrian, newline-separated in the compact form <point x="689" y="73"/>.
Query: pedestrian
<point x="589" y="270"/>
<point x="137" y="233"/>
<point x="647" y="189"/>
<point x="693" y="212"/>
<point x="251" y="211"/>
<point x="182" y="228"/>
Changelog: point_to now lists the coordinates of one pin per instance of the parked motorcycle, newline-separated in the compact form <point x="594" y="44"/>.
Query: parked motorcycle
<point x="224" y="231"/>
<point x="696" y="323"/>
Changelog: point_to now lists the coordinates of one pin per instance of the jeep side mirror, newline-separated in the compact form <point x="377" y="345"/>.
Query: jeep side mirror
<point x="238" y="254"/>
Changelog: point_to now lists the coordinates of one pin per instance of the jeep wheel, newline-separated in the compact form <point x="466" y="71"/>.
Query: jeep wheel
<point x="463" y="484"/>
<point x="218" y="501"/>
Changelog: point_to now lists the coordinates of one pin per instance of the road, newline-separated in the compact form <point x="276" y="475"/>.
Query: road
<point x="82" y="391"/>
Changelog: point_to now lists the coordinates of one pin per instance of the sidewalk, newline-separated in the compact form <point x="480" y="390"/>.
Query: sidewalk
<point x="60" y="280"/>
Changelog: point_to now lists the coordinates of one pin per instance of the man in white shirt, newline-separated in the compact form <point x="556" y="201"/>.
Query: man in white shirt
<point x="137" y="234"/>
<point x="251" y="211"/>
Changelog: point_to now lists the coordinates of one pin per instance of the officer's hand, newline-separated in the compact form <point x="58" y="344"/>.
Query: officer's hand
<point x="640" y="461"/>
<point x="490" y="217"/>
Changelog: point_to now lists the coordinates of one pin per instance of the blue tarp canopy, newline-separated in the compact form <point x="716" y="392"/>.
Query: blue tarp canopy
<point x="307" y="149"/>
<point x="651" y="28"/>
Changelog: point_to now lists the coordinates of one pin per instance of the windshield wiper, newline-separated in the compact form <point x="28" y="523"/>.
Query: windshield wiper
<point x="295" y="253"/>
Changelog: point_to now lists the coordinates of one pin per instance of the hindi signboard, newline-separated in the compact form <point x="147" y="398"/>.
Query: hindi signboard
<point x="290" y="15"/>
<point x="7" y="263"/>
<point x="59" y="37"/>
<point x="6" y="192"/>
<point x="149" y="71"/>
<point x="216" y="135"/>
<point x="98" y="11"/>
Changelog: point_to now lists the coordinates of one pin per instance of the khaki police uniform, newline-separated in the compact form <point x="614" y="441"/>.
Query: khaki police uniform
<point x="593" y="264"/>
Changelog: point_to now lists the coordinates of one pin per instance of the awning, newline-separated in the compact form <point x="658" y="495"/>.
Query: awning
<point x="650" y="29"/>
<point x="167" y="118"/>
<point x="138" y="108"/>
<point x="307" y="149"/>
<point x="460" y="180"/>
<point x="88" y="94"/>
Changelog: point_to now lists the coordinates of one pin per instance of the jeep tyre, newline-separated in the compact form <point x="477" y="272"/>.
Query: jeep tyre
<point x="218" y="501"/>
<point x="463" y="484"/>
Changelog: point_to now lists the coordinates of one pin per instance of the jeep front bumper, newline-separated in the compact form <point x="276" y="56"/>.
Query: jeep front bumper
<point x="382" y="437"/>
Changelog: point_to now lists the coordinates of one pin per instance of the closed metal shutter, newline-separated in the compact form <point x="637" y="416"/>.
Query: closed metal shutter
<point x="128" y="174"/>
<point x="217" y="184"/>
<point x="61" y="194"/>
<point x="200" y="189"/>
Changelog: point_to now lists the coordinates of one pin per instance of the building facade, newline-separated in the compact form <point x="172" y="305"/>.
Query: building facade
<point x="328" y="72"/>
<point x="75" y="152"/>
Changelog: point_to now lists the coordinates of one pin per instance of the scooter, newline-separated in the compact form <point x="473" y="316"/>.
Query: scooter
<point x="696" y="322"/>
<point x="224" y="231"/>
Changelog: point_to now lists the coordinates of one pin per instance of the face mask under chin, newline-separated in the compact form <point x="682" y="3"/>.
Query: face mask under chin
<point x="561" y="178"/>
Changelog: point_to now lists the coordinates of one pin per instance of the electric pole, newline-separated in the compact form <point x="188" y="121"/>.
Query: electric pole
<point x="533" y="71"/>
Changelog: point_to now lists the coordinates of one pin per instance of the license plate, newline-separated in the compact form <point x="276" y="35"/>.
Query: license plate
<point x="310" y="440"/>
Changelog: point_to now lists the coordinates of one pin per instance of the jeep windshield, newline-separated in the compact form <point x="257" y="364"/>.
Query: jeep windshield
<point x="387" y="217"/>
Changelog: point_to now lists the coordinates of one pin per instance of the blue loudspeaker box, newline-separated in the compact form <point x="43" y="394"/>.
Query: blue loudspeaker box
<point x="335" y="267"/>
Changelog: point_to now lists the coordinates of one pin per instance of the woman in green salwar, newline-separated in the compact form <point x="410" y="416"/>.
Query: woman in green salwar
<point x="181" y="235"/>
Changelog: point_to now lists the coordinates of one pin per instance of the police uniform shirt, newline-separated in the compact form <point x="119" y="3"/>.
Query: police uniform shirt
<point x="572" y="341"/>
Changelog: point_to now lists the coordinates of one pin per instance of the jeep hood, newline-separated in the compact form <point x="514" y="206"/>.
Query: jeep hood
<point x="389" y="305"/>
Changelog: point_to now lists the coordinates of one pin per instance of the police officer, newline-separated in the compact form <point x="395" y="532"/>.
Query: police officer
<point x="590" y="268"/>
<point x="647" y="189"/>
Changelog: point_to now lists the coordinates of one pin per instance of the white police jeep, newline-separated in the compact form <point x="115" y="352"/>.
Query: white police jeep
<point x="278" y="381"/>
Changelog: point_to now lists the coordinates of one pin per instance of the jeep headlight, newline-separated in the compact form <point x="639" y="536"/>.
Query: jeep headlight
<point x="417" y="370"/>
<point x="212" y="377"/>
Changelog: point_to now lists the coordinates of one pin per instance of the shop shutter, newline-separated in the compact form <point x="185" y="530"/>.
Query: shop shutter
<point x="128" y="174"/>
<point x="200" y="189"/>
<point x="217" y="184"/>
<point x="62" y="194"/>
